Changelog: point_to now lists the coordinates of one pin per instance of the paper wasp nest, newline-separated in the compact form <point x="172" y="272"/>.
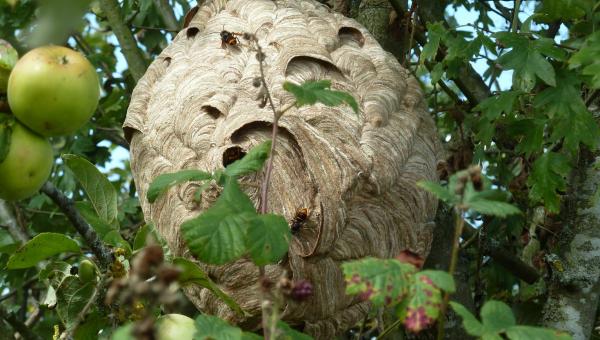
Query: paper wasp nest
<point x="196" y="105"/>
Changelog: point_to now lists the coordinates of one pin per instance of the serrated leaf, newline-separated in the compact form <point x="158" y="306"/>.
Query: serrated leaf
<point x="497" y="317"/>
<point x="210" y="327"/>
<point x="39" y="248"/>
<point x="435" y="33"/>
<point x="72" y="296"/>
<point x="535" y="333"/>
<point x="441" y="279"/>
<point x="492" y="208"/>
<point x="252" y="162"/>
<point x="470" y="322"/>
<point x="439" y="191"/>
<point x="526" y="59"/>
<point x="163" y="182"/>
<point x="101" y="192"/>
<point x="311" y="92"/>
<point x="547" y="178"/>
<point x="288" y="333"/>
<point x="423" y="305"/>
<point x="382" y="281"/>
<point x="268" y="239"/>
<point x="191" y="273"/>
<point x="218" y="235"/>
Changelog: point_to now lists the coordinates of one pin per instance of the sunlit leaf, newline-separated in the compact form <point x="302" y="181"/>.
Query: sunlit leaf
<point x="218" y="235"/>
<point x="101" y="192"/>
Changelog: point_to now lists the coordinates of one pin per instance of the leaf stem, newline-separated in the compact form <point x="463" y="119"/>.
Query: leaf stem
<point x="458" y="228"/>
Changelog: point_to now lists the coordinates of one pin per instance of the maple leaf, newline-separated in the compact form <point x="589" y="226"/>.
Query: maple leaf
<point x="547" y="177"/>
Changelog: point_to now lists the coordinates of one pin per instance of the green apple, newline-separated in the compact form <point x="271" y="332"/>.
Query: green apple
<point x="53" y="90"/>
<point x="87" y="271"/>
<point x="27" y="164"/>
<point x="8" y="59"/>
<point x="175" y="327"/>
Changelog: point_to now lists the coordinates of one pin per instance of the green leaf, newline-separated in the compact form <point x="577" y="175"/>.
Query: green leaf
<point x="144" y="237"/>
<point x="526" y="59"/>
<point x="535" y="333"/>
<point x="439" y="191"/>
<point x="89" y="214"/>
<point x="497" y="317"/>
<point x="547" y="177"/>
<point x="311" y="92"/>
<point x="163" y="182"/>
<point x="114" y="238"/>
<point x="532" y="132"/>
<point x="218" y="235"/>
<point x="210" y="327"/>
<point x="288" y="333"/>
<point x="39" y="248"/>
<point x="101" y="192"/>
<point x="470" y="322"/>
<point x="6" y="123"/>
<point x="435" y="33"/>
<point x="552" y="10"/>
<point x="72" y="296"/>
<point x="268" y="239"/>
<point x="252" y="162"/>
<point x="90" y="327"/>
<point x="488" y="202"/>
<point x="191" y="273"/>
<point x="440" y="278"/>
<point x="423" y="305"/>
<point x="382" y="281"/>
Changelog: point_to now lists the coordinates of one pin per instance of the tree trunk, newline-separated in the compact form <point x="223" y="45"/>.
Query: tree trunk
<point x="574" y="291"/>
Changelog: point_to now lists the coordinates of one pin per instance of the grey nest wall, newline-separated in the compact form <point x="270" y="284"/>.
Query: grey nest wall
<point x="356" y="173"/>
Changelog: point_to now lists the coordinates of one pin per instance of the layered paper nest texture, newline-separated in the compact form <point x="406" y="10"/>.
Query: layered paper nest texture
<point x="356" y="173"/>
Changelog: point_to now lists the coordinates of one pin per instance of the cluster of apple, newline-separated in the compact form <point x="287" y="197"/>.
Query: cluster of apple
<point x="51" y="91"/>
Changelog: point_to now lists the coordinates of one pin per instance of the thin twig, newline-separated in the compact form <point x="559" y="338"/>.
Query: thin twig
<point x="265" y="185"/>
<point x="515" y="21"/>
<point x="88" y="234"/>
<point x="129" y="48"/>
<point x="150" y="28"/>
<point x="167" y="15"/>
<point x="458" y="227"/>
<point x="389" y="329"/>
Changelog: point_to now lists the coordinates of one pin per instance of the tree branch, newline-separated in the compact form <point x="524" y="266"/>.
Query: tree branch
<point x="469" y="82"/>
<point x="8" y="218"/>
<point x="167" y="15"/>
<point x="504" y="258"/>
<point x="129" y="48"/>
<point x="18" y="326"/>
<point x="575" y="290"/>
<point x="83" y="228"/>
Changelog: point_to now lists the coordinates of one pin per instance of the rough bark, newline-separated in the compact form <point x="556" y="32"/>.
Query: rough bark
<point x="356" y="173"/>
<point x="574" y="292"/>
